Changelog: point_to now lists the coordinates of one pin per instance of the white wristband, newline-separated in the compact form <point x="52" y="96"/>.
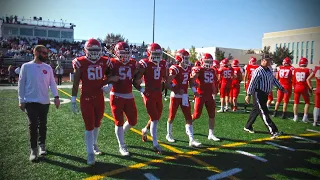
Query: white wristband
<point x="194" y="89"/>
<point x="73" y="99"/>
<point x="142" y="90"/>
<point x="213" y="96"/>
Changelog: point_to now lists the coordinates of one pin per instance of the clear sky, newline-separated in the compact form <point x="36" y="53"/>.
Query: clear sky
<point x="179" y="23"/>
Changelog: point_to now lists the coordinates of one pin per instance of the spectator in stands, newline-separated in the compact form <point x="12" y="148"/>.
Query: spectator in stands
<point x="12" y="75"/>
<point x="17" y="70"/>
<point x="59" y="72"/>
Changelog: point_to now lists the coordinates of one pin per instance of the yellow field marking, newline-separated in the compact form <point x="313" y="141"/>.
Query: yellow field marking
<point x="189" y="155"/>
<point x="171" y="148"/>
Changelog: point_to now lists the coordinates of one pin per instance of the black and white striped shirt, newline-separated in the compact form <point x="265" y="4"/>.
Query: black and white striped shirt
<point x="263" y="79"/>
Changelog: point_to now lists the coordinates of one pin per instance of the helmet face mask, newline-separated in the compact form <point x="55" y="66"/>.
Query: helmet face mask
<point x="122" y="52"/>
<point x="154" y="53"/>
<point x="183" y="57"/>
<point x="93" y="49"/>
<point x="207" y="63"/>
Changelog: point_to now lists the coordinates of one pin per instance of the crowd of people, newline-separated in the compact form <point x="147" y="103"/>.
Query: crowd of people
<point x="115" y="76"/>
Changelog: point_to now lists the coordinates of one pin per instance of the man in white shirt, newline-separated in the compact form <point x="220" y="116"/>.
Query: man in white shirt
<point x="59" y="72"/>
<point x="35" y="78"/>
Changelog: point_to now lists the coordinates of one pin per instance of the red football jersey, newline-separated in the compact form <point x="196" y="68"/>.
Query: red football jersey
<point x="300" y="76"/>
<point x="249" y="69"/>
<point x="125" y="73"/>
<point x="226" y="75"/>
<point x="317" y="75"/>
<point x="182" y="76"/>
<point x="285" y="75"/>
<point x="92" y="74"/>
<point x="237" y="71"/>
<point x="205" y="80"/>
<point x="153" y="74"/>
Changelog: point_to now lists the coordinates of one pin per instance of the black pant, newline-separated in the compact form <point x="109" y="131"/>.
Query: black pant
<point x="37" y="115"/>
<point x="260" y="99"/>
<point x="59" y="79"/>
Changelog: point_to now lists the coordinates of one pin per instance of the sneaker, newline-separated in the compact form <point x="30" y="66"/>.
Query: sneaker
<point x="96" y="150"/>
<point x="221" y="110"/>
<point x="283" y="116"/>
<point x="124" y="151"/>
<point x="33" y="155"/>
<point x="170" y="138"/>
<point x="212" y="137"/>
<point x="226" y="109"/>
<point x="306" y="121"/>
<point x="275" y="114"/>
<point x="315" y="124"/>
<point x="144" y="135"/>
<point x="157" y="149"/>
<point x="42" y="150"/>
<point x="91" y="159"/>
<point x="248" y="130"/>
<point x="295" y="119"/>
<point x="234" y="109"/>
<point x="275" y="135"/>
<point x="165" y="99"/>
<point x="194" y="143"/>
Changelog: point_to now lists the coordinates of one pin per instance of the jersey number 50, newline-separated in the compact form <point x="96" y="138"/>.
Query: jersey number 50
<point x="95" y="73"/>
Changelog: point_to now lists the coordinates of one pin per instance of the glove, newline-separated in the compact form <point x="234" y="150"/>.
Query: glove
<point x="142" y="91"/>
<point x="107" y="88"/>
<point x="74" y="106"/>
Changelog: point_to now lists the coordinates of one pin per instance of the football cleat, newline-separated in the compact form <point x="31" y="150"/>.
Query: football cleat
<point x="144" y="135"/>
<point x="91" y="159"/>
<point x="42" y="150"/>
<point x="275" y="135"/>
<point x="194" y="143"/>
<point x="213" y="137"/>
<point x="157" y="149"/>
<point x="248" y="130"/>
<point x="170" y="138"/>
<point x="306" y="121"/>
<point x="33" y="155"/>
<point x="96" y="150"/>
<point x="221" y="110"/>
<point x="315" y="124"/>
<point x="124" y="151"/>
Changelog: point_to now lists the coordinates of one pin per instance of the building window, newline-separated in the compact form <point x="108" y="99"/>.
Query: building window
<point x="66" y="34"/>
<point x="297" y="53"/>
<point x="40" y="32"/>
<point x="26" y="32"/>
<point x="53" y="34"/>
<point x="311" y="60"/>
<point x="302" y="49"/>
<point x="10" y="31"/>
<point x="280" y="44"/>
<point x="293" y="56"/>
<point x="284" y="44"/>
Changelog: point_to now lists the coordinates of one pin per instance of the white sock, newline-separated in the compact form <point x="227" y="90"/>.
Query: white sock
<point x="169" y="128"/>
<point x="95" y="135"/>
<point x="211" y="132"/>
<point x="305" y="117"/>
<point x="153" y="132"/>
<point x="126" y="126"/>
<point x="89" y="141"/>
<point x="144" y="130"/>
<point x="189" y="131"/>
<point x="316" y="112"/>
<point x="119" y="135"/>
<point x="295" y="117"/>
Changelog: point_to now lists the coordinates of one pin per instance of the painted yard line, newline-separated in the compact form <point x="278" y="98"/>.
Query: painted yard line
<point x="311" y="130"/>
<point x="150" y="176"/>
<point x="280" y="146"/>
<point x="140" y="165"/>
<point x="306" y="139"/>
<point x="225" y="174"/>
<point x="252" y="156"/>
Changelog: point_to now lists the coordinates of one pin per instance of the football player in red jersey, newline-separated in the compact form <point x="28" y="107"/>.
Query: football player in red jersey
<point x="235" y="88"/>
<point x="249" y="68"/>
<point x="316" y="110"/>
<point x="121" y="97"/>
<point x="216" y="67"/>
<point x="300" y="85"/>
<point x="177" y="81"/>
<point x="225" y="76"/>
<point x="284" y="75"/>
<point x="204" y="77"/>
<point x="90" y="69"/>
<point x="154" y="71"/>
<point x="270" y="96"/>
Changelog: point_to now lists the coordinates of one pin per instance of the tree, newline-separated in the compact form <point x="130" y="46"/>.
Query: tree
<point x="112" y="38"/>
<point x="265" y="50"/>
<point x="250" y="51"/>
<point x="219" y="54"/>
<point x="230" y="56"/>
<point x="193" y="54"/>
<point x="280" y="54"/>
<point x="164" y="55"/>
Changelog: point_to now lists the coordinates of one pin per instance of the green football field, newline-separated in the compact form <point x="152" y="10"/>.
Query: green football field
<point x="239" y="155"/>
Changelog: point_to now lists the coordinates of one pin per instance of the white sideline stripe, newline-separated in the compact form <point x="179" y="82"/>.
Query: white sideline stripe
<point x="311" y="130"/>
<point x="306" y="139"/>
<point x="280" y="146"/>
<point x="225" y="174"/>
<point x="150" y="176"/>
<point x="252" y="156"/>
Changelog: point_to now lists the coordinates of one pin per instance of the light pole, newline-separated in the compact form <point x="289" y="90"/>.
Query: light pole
<point x="154" y="15"/>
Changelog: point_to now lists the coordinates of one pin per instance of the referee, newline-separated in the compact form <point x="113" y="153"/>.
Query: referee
<point x="261" y="84"/>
